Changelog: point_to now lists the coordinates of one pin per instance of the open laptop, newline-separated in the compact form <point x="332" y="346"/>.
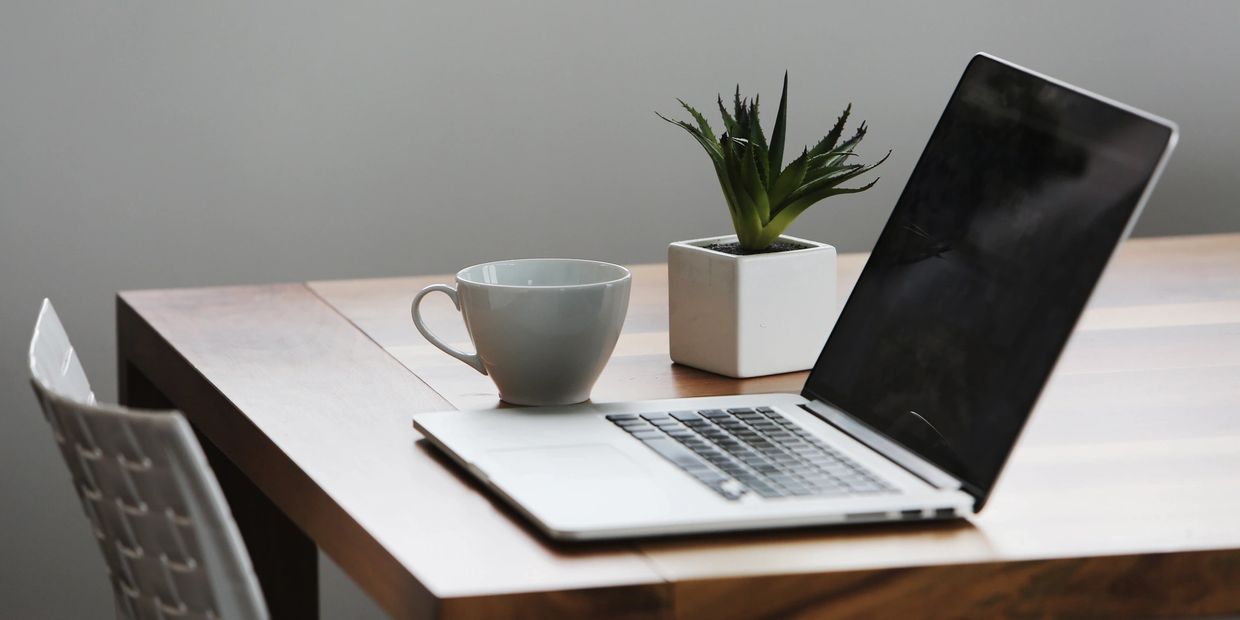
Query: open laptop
<point x="1023" y="192"/>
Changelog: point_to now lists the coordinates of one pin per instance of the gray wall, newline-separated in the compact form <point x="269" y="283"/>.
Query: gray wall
<point x="156" y="144"/>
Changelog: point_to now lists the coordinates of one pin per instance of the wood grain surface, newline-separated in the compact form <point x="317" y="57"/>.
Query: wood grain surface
<point x="1120" y="500"/>
<point x="319" y="418"/>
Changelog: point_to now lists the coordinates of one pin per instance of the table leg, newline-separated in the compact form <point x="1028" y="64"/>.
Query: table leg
<point x="285" y="559"/>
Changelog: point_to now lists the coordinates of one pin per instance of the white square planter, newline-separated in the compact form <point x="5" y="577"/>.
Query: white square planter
<point x="748" y="316"/>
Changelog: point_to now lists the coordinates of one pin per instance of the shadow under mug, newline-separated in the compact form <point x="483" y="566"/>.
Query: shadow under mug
<point x="543" y="328"/>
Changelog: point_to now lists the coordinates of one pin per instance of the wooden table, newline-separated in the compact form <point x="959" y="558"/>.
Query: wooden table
<point x="1122" y="499"/>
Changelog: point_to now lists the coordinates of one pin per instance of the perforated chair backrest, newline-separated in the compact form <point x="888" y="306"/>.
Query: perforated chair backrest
<point x="171" y="545"/>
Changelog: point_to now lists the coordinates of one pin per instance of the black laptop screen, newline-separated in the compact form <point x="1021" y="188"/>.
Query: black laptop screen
<point x="987" y="261"/>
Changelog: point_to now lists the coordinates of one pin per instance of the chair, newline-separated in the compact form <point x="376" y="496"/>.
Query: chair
<point x="170" y="543"/>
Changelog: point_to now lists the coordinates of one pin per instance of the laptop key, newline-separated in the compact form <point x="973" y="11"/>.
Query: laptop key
<point x="677" y="454"/>
<point x="617" y="417"/>
<point x="831" y="491"/>
<point x="709" y="476"/>
<point x="782" y="478"/>
<point x="653" y="435"/>
<point x="767" y="491"/>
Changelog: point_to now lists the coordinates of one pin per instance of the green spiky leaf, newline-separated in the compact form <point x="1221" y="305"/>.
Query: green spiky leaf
<point x="833" y="136"/>
<point x="738" y="107"/>
<point x="729" y="122"/>
<point x="829" y="181"/>
<point x="789" y="180"/>
<point x="751" y="177"/>
<point x="703" y="126"/>
<point x="757" y="142"/>
<point x="776" y="151"/>
<point x="711" y="147"/>
<point x="750" y="223"/>
<point x="843" y="150"/>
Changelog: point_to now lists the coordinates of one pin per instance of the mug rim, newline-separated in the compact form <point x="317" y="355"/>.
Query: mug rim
<point x="625" y="274"/>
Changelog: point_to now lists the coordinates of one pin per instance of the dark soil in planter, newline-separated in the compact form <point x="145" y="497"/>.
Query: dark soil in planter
<point x="735" y="248"/>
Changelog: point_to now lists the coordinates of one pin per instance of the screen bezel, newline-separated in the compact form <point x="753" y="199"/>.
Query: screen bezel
<point x="980" y="494"/>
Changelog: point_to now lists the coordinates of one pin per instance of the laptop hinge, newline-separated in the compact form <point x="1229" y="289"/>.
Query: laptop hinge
<point x="894" y="452"/>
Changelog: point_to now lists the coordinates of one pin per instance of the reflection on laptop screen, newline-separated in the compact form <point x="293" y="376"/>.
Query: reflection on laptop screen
<point x="989" y="257"/>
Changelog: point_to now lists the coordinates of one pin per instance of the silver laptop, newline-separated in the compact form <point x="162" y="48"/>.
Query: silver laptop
<point x="1023" y="192"/>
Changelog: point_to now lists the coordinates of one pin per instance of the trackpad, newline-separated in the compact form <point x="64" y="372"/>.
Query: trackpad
<point x="583" y="482"/>
<point x="595" y="462"/>
<point x="583" y="487"/>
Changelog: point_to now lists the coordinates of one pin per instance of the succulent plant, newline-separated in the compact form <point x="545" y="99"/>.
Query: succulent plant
<point x="763" y="196"/>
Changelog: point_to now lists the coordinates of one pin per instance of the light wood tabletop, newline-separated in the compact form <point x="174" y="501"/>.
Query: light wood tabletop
<point x="1122" y="498"/>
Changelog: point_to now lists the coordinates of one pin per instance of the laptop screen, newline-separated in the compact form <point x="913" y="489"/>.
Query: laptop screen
<point x="1021" y="195"/>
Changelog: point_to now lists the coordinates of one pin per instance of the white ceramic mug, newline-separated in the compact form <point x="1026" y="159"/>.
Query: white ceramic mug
<point x="543" y="328"/>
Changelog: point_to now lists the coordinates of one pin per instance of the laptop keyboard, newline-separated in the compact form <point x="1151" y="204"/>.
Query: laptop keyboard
<point x="738" y="451"/>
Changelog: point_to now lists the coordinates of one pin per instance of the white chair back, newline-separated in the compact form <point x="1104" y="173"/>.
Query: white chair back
<point x="170" y="543"/>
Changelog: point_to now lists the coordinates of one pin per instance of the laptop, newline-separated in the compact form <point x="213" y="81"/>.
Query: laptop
<point x="1018" y="201"/>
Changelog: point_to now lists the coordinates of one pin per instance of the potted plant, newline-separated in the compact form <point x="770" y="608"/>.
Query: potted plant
<point x="759" y="302"/>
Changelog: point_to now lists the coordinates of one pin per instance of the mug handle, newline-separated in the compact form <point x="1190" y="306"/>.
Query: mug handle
<point x="469" y="358"/>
